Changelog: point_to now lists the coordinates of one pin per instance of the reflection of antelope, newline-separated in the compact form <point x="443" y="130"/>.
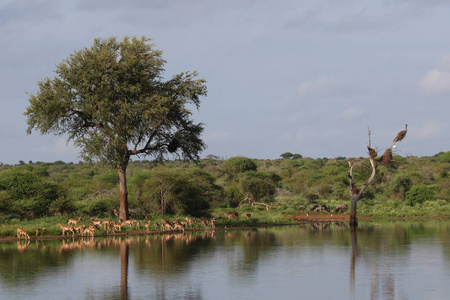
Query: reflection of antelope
<point x="74" y="221"/>
<point x="21" y="232"/>
<point x="39" y="231"/>
<point x="66" y="228"/>
<point x="22" y="245"/>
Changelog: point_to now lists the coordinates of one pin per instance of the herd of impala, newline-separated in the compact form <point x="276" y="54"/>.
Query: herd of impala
<point x="74" y="226"/>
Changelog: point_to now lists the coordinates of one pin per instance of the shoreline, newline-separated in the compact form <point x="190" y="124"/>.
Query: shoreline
<point x="295" y="220"/>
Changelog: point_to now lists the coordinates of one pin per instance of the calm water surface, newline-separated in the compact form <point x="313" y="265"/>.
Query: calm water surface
<point x="388" y="260"/>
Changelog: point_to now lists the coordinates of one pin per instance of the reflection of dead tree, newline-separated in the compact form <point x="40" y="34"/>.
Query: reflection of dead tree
<point x="385" y="159"/>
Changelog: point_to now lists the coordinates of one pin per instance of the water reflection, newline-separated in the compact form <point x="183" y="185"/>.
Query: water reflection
<point x="376" y="261"/>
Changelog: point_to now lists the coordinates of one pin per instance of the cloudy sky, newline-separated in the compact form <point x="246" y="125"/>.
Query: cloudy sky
<point x="298" y="76"/>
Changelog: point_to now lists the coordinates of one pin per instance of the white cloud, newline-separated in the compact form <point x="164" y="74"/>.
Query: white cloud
<point x="436" y="82"/>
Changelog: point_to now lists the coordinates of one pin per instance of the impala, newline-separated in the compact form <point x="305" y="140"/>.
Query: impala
<point x="21" y="232"/>
<point x="80" y="228"/>
<point x="191" y="222"/>
<point x="178" y="226"/>
<point x="89" y="231"/>
<point x="96" y="222"/>
<point x="106" y="224"/>
<point x="117" y="226"/>
<point x="233" y="215"/>
<point x="166" y="223"/>
<point x="66" y="228"/>
<point x="39" y="231"/>
<point x="207" y="222"/>
<point x="248" y="216"/>
<point x="74" y="221"/>
<point x="147" y="226"/>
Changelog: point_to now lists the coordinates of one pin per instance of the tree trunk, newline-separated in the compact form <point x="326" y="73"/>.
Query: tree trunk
<point x="353" y="216"/>
<point x="123" y="210"/>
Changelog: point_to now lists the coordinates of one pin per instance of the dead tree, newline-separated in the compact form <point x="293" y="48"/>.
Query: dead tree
<point x="385" y="159"/>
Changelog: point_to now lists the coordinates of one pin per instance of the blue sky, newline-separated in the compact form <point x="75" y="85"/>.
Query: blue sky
<point x="307" y="77"/>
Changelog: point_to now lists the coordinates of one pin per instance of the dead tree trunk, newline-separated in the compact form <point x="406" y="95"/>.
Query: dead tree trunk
<point x="386" y="159"/>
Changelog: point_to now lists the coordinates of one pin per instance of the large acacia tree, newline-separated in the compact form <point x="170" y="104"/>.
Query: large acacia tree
<point x="112" y="102"/>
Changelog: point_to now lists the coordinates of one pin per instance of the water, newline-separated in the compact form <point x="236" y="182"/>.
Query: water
<point x="384" y="260"/>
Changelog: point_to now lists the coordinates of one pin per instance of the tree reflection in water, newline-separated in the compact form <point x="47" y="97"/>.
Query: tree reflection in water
<point x="179" y="265"/>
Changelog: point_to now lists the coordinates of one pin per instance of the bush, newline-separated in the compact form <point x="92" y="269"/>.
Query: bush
<point x="419" y="194"/>
<point x="239" y="164"/>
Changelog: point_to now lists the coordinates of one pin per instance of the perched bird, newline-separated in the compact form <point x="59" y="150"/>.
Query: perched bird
<point x="401" y="135"/>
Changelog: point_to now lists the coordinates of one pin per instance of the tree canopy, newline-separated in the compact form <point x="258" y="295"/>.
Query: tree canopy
<point x="112" y="102"/>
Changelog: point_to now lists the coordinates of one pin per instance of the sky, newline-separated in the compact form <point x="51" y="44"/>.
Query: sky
<point x="306" y="77"/>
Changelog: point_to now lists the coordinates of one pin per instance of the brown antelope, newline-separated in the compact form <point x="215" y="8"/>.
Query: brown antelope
<point x="191" y="222"/>
<point x="97" y="223"/>
<point x="39" y="231"/>
<point x="89" y="231"/>
<point x="128" y="222"/>
<point x="248" y="216"/>
<point x="74" y="221"/>
<point x="117" y="226"/>
<point x="166" y="223"/>
<point x="79" y="229"/>
<point x="147" y="226"/>
<point x="233" y="215"/>
<point x="21" y="232"/>
<point x="207" y="222"/>
<point x="106" y="224"/>
<point x="66" y="228"/>
<point x="178" y="226"/>
<point x="301" y="208"/>
<point x="148" y="217"/>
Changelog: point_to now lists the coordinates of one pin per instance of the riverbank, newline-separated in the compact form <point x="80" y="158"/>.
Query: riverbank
<point x="289" y="220"/>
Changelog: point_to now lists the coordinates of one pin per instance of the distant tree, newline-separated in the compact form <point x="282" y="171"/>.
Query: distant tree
<point x="111" y="101"/>
<point x="296" y="156"/>
<point x="287" y="155"/>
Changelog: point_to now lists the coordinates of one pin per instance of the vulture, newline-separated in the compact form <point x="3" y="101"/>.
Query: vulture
<point x="401" y="135"/>
<point x="372" y="152"/>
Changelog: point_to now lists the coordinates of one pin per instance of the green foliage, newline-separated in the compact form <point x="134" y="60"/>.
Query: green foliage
<point x="239" y="164"/>
<point x="444" y="157"/>
<point x="111" y="95"/>
<point x="179" y="192"/>
<point x="420" y="194"/>
<point x="400" y="185"/>
<point x="258" y="186"/>
<point x="23" y="192"/>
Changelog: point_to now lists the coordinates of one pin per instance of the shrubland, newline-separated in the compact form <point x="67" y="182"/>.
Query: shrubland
<point x="35" y="194"/>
